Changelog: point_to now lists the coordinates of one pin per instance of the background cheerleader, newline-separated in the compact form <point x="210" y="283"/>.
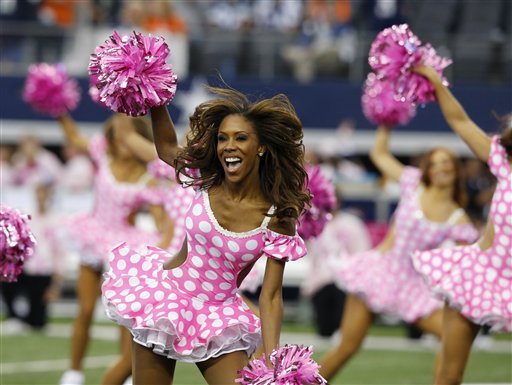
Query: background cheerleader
<point x="474" y="280"/>
<point x="383" y="279"/>
<point x="122" y="188"/>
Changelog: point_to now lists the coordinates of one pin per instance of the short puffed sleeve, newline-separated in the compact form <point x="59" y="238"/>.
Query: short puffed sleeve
<point x="498" y="163"/>
<point x="409" y="180"/>
<point x="161" y="170"/>
<point x="464" y="233"/>
<point x="98" y="148"/>
<point x="283" y="247"/>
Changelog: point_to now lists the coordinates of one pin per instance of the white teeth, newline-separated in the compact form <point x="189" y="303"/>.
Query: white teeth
<point x="232" y="159"/>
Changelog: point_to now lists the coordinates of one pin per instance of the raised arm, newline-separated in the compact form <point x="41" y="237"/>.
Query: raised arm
<point x="456" y="116"/>
<point x="386" y="162"/>
<point x="124" y="132"/>
<point x="72" y="134"/>
<point x="164" y="133"/>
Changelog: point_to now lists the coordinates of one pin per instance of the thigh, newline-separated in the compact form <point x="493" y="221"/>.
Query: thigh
<point x="151" y="368"/>
<point x="223" y="370"/>
<point x="458" y="336"/>
<point x="88" y="286"/>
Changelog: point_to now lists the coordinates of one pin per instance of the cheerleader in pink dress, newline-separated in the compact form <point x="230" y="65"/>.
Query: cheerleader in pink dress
<point x="475" y="281"/>
<point x="245" y="162"/>
<point x="121" y="187"/>
<point x="383" y="280"/>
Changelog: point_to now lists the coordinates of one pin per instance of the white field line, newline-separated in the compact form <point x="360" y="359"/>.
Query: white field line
<point x="53" y="365"/>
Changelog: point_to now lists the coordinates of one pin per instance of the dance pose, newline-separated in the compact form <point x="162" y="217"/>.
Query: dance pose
<point x="122" y="187"/>
<point x="474" y="280"/>
<point x="245" y="162"/>
<point x="383" y="279"/>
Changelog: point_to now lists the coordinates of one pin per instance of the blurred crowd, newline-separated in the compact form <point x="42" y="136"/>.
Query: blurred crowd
<point x="303" y="39"/>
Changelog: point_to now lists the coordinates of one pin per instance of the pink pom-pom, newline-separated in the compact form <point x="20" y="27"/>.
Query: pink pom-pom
<point x="132" y="73"/>
<point x="382" y="104"/>
<point x="314" y="219"/>
<point x="16" y="242"/>
<point x="394" y="51"/>
<point x="48" y="89"/>
<point x="292" y="365"/>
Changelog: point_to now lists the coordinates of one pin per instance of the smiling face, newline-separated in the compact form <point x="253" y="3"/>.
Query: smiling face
<point x="237" y="148"/>
<point x="441" y="169"/>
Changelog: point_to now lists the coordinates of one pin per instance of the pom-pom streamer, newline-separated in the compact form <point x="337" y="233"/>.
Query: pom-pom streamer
<point x="313" y="220"/>
<point x="383" y="105"/>
<point x="292" y="365"/>
<point x="48" y="89"/>
<point x="132" y="73"/>
<point x="16" y="242"/>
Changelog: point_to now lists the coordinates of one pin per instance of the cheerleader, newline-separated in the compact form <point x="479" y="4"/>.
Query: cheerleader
<point x="475" y="280"/>
<point x="122" y="187"/>
<point x="245" y="162"/>
<point x="383" y="279"/>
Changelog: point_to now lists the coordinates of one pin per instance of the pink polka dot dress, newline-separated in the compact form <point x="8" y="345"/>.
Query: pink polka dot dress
<point x="94" y="234"/>
<point x="387" y="282"/>
<point x="478" y="282"/>
<point x="193" y="312"/>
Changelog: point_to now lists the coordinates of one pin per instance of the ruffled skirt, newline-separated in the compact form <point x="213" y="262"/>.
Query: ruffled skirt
<point x="387" y="285"/>
<point x="471" y="281"/>
<point x="150" y="301"/>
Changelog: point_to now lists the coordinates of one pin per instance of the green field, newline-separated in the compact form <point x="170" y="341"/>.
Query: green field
<point x="39" y="359"/>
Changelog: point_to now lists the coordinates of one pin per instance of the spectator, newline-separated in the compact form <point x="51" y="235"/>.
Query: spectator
<point x="325" y="45"/>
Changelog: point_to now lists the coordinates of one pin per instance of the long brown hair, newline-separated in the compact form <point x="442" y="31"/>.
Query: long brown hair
<point x="506" y="134"/>
<point x="279" y="130"/>
<point x="459" y="190"/>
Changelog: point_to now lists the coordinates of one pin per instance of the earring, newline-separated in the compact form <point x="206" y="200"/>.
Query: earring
<point x="260" y="154"/>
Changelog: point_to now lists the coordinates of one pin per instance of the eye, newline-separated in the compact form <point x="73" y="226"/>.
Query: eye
<point x="221" y="138"/>
<point x="242" y="137"/>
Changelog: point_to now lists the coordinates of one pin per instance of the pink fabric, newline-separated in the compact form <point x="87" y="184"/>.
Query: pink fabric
<point x="94" y="234"/>
<point x="387" y="282"/>
<point x="342" y="237"/>
<point x="193" y="312"/>
<point x="479" y="282"/>
<point x="48" y="257"/>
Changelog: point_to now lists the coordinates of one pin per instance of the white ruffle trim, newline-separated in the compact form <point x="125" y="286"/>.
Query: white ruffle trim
<point x="160" y="339"/>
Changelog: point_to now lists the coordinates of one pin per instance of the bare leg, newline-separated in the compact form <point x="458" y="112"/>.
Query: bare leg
<point x="458" y="336"/>
<point x="223" y="370"/>
<point x="356" y="321"/>
<point x="117" y="373"/>
<point x="88" y="288"/>
<point x="433" y="324"/>
<point x="151" y="368"/>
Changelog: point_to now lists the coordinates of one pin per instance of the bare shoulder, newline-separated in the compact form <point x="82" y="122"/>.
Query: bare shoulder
<point x="285" y="225"/>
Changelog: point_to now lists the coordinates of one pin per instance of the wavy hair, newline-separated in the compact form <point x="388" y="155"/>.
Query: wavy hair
<point x="281" y="171"/>
<point x="459" y="191"/>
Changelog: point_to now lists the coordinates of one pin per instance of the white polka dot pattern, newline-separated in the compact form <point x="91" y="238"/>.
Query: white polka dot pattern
<point x="388" y="282"/>
<point x="95" y="234"/>
<point x="208" y="316"/>
<point x="479" y="282"/>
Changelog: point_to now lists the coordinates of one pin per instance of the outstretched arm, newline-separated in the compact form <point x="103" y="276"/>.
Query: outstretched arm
<point x="124" y="132"/>
<point x="164" y="133"/>
<point x="456" y="116"/>
<point x="386" y="162"/>
<point x="72" y="134"/>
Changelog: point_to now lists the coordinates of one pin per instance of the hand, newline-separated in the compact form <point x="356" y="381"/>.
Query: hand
<point x="425" y="71"/>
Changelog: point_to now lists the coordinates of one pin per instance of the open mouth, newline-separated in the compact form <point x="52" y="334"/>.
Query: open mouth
<point x="232" y="163"/>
